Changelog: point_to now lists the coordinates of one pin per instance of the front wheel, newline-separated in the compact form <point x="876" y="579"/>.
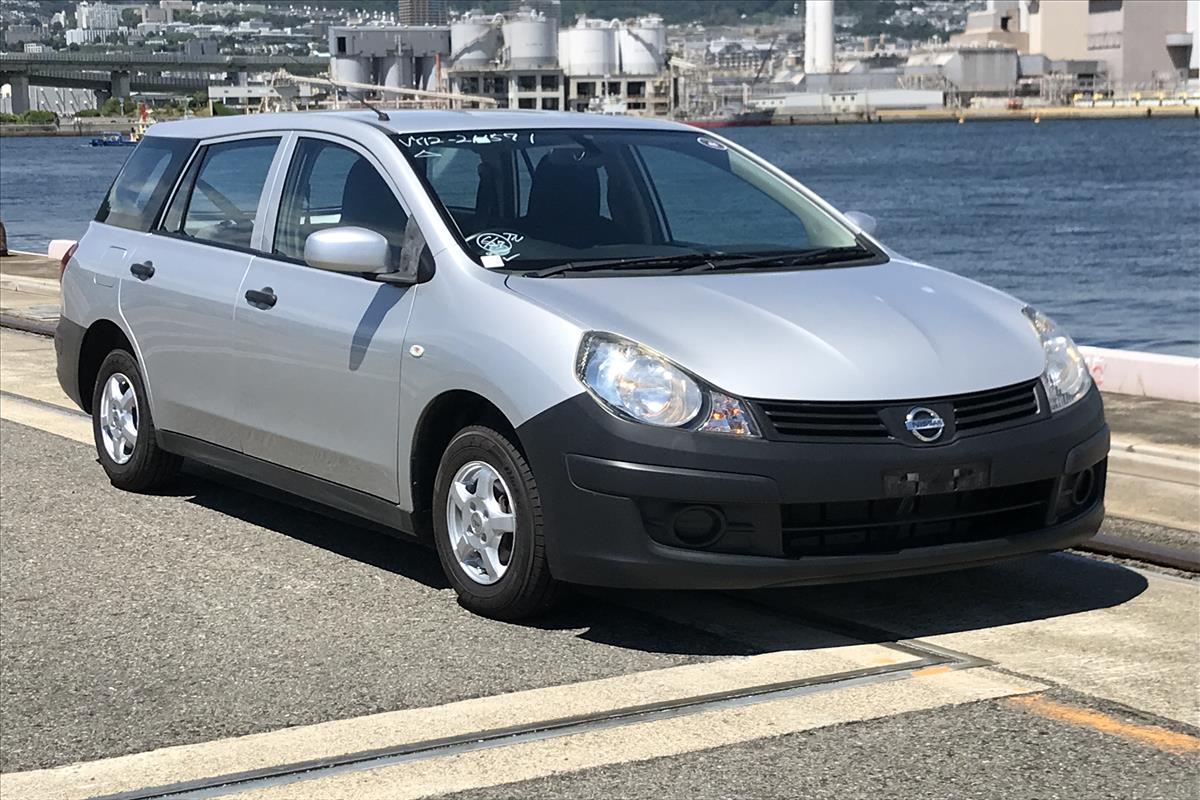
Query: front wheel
<point x="488" y="527"/>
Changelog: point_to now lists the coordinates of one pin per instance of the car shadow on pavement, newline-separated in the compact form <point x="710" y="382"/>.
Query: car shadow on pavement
<point x="311" y="523"/>
<point x="801" y="618"/>
<point x="1027" y="589"/>
<point x="596" y="618"/>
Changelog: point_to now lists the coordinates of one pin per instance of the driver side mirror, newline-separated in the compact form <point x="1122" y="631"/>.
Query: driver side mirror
<point x="865" y="222"/>
<point x="348" y="249"/>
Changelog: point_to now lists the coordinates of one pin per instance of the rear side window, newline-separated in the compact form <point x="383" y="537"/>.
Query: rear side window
<point x="218" y="202"/>
<point x="139" y="191"/>
<point x="332" y="186"/>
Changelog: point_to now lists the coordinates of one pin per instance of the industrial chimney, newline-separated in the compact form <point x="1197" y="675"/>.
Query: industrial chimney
<point x="818" y="36"/>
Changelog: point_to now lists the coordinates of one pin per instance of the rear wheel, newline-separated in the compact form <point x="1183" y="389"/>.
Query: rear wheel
<point x="488" y="525"/>
<point x="124" y="429"/>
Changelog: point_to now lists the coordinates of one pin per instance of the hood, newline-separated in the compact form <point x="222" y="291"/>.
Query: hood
<point x="895" y="331"/>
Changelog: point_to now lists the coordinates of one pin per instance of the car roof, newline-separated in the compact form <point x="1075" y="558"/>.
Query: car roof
<point x="402" y="121"/>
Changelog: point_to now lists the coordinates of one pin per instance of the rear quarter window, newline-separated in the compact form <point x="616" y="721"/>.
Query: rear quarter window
<point x="143" y="184"/>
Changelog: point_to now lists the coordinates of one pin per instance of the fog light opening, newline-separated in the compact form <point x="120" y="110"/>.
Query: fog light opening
<point x="1085" y="483"/>
<point x="698" y="526"/>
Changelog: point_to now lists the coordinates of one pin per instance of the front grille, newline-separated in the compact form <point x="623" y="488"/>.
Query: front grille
<point x="986" y="409"/>
<point x="893" y="524"/>
<point x="965" y="414"/>
<point x="834" y="420"/>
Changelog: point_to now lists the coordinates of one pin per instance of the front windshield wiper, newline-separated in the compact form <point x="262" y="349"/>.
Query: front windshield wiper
<point x="709" y="261"/>
<point x="681" y="260"/>
<point x="803" y="258"/>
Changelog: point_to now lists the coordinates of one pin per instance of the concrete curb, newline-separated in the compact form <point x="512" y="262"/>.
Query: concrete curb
<point x="28" y="325"/>
<point x="1158" y="375"/>
<point x="24" y="283"/>
<point x="1173" y="470"/>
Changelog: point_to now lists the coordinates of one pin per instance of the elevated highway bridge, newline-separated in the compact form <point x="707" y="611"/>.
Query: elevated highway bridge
<point x="119" y="74"/>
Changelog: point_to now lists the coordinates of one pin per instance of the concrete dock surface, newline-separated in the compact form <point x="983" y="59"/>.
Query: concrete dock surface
<point x="222" y="639"/>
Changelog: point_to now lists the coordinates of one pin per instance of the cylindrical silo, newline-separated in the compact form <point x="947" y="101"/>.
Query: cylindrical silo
<point x="390" y="70"/>
<point x="531" y="41"/>
<point x="589" y="48"/>
<point x="474" y="41"/>
<point x="351" y="69"/>
<point x="642" y="45"/>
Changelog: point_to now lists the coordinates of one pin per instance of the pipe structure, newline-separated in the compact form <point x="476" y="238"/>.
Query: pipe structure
<point x="401" y="90"/>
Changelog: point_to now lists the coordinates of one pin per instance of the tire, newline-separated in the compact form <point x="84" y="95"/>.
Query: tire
<point x="145" y="466"/>
<point x="523" y="586"/>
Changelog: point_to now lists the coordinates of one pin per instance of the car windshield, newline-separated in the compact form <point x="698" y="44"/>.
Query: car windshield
<point x="558" y="201"/>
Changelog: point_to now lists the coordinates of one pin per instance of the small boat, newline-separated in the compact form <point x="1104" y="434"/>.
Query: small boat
<point x="113" y="140"/>
<point x="733" y="118"/>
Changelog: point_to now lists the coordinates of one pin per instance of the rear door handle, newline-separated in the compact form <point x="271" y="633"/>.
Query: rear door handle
<point x="264" y="298"/>
<point x="143" y="271"/>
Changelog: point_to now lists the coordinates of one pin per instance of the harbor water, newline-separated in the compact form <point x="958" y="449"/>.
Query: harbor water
<point x="1097" y="222"/>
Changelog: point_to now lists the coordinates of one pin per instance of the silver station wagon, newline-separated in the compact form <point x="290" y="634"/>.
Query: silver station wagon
<point x="568" y="349"/>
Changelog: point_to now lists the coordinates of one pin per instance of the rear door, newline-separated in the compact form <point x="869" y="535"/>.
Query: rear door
<point x="182" y="282"/>
<point x="319" y="368"/>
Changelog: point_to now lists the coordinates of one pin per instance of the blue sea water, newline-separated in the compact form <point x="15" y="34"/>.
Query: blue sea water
<point x="1096" y="222"/>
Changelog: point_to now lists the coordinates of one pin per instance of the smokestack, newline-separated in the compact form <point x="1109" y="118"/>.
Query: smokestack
<point x="818" y="36"/>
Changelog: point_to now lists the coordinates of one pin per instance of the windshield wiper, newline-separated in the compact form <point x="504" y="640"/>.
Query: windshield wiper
<point x="683" y="263"/>
<point x="682" y="260"/>
<point x="803" y="258"/>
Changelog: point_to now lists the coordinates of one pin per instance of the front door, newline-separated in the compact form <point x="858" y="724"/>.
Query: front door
<point x="319" y="361"/>
<point x="179" y="291"/>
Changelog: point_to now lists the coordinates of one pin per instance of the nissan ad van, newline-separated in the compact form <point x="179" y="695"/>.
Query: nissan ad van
<point x="568" y="349"/>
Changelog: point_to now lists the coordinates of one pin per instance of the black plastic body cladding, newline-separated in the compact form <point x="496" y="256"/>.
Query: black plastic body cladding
<point x="612" y="489"/>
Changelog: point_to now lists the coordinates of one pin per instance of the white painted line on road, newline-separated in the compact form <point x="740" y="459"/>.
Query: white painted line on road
<point x="45" y="417"/>
<point x="397" y="728"/>
<point x="657" y="739"/>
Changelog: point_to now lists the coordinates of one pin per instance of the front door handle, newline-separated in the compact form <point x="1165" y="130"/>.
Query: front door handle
<point x="264" y="298"/>
<point x="143" y="271"/>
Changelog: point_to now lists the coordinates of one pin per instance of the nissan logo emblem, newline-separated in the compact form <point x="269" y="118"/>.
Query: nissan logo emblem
<point x="924" y="423"/>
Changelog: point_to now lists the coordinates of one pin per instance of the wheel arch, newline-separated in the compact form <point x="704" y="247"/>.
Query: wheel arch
<point x="445" y="415"/>
<point x="102" y="337"/>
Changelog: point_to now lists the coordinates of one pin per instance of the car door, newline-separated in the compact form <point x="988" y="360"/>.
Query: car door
<point x="319" y="362"/>
<point x="184" y="278"/>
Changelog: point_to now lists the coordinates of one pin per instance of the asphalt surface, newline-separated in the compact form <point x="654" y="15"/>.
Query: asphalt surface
<point x="133" y="622"/>
<point x="980" y="750"/>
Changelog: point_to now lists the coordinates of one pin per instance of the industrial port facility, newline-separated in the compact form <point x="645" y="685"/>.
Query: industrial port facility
<point x="998" y="55"/>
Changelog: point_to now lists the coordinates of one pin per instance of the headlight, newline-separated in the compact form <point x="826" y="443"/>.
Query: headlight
<point x="636" y="383"/>
<point x="1066" y="378"/>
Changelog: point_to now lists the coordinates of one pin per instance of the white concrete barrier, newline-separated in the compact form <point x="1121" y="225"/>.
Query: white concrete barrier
<point x="1157" y="375"/>
<point x="58" y="248"/>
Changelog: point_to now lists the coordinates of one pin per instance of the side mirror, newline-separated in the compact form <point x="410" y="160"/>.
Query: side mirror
<point x="348" y="249"/>
<point x="865" y="222"/>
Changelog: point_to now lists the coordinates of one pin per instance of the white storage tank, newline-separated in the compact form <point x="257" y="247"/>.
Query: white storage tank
<point x="390" y="71"/>
<point x="351" y="69"/>
<point x="643" y="46"/>
<point x="590" y="48"/>
<point x="474" y="41"/>
<point x="531" y="40"/>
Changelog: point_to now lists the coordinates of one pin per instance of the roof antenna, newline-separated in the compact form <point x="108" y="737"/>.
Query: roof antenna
<point x="361" y="97"/>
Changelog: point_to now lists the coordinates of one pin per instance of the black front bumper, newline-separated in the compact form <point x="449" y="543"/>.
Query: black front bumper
<point x="785" y="513"/>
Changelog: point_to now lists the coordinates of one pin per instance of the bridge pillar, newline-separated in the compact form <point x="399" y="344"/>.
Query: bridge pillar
<point x="120" y="84"/>
<point x="102" y="96"/>
<point x="238" y="78"/>
<point x="20" y="93"/>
